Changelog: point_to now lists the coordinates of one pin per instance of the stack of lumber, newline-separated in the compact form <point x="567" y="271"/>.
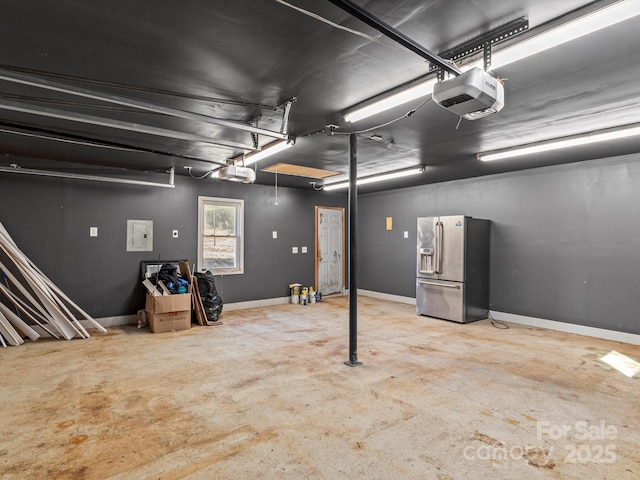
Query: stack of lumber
<point x="36" y="301"/>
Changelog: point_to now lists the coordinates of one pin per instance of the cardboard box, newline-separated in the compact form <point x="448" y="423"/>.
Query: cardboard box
<point x="167" y="313"/>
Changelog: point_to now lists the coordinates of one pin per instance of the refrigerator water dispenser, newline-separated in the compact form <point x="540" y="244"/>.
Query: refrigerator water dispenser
<point x="426" y="261"/>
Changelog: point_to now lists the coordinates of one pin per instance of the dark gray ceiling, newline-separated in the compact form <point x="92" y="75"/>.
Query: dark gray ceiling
<point x="259" y="53"/>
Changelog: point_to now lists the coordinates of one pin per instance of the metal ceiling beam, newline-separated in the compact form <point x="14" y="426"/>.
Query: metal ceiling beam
<point x="23" y="79"/>
<point x="117" y="124"/>
<point x="484" y="43"/>
<point x="395" y="35"/>
<point x="87" y="142"/>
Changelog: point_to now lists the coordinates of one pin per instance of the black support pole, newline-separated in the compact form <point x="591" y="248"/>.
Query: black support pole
<point x="353" y="288"/>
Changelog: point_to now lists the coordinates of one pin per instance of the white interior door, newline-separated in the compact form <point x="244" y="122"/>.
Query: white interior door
<point x="329" y="249"/>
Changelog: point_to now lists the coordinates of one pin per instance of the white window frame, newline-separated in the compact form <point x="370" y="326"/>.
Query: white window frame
<point x="239" y="206"/>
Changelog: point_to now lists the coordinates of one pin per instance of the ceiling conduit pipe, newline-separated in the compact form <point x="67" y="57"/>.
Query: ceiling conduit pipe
<point x="86" y="142"/>
<point x="78" y="176"/>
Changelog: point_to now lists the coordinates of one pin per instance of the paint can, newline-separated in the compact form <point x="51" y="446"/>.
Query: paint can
<point x="295" y="292"/>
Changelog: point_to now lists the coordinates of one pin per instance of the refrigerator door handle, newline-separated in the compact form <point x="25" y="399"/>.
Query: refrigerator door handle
<point x="439" y="235"/>
<point x="424" y="282"/>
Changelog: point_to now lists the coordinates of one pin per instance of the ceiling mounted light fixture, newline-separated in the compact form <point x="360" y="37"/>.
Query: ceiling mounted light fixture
<point x="268" y="150"/>
<point x="238" y="171"/>
<point x="559" y="143"/>
<point x="378" y="105"/>
<point x="376" y="178"/>
<point x="566" y="32"/>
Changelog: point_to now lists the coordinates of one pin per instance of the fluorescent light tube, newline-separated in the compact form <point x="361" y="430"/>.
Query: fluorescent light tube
<point x="375" y="178"/>
<point x="566" y="32"/>
<point x="577" y="140"/>
<point x="411" y="93"/>
<point x="266" y="151"/>
<point x="571" y="30"/>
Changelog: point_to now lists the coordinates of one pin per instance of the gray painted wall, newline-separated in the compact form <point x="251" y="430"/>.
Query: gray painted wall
<point x="565" y="240"/>
<point x="50" y="218"/>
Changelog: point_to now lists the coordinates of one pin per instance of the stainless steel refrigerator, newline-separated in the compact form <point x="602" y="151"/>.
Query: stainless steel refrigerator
<point x="453" y="268"/>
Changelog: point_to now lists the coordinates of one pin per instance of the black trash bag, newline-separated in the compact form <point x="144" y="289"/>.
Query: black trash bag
<point x="211" y="301"/>
<point x="168" y="273"/>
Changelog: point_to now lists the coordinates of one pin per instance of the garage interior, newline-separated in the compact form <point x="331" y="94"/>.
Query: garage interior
<point x="118" y="112"/>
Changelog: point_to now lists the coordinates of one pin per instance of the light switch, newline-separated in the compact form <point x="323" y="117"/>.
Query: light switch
<point x="274" y="234"/>
<point x="406" y="234"/>
<point x="304" y="249"/>
<point x="174" y="234"/>
<point x="294" y="249"/>
<point x="93" y="231"/>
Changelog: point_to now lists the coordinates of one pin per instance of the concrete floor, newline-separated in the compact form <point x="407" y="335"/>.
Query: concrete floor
<point x="266" y="395"/>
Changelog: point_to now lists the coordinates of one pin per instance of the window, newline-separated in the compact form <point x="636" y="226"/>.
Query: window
<point x="220" y="235"/>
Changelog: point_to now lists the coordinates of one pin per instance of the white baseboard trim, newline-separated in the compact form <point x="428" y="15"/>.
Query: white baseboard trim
<point x="112" y="321"/>
<point x="104" y="321"/>
<point x="631" y="338"/>
<point x="387" y="296"/>
<point x="132" y="319"/>
<point x="267" y="302"/>
<point x="603" y="333"/>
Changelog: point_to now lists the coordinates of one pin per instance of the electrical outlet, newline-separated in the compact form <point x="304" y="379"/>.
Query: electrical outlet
<point x="406" y="234"/>
<point x="274" y="234"/>
<point x="294" y="249"/>
<point x="93" y="231"/>
<point x="174" y="234"/>
<point x="304" y="249"/>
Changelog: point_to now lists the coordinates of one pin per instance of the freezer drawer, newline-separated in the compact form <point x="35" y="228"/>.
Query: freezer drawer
<point x="440" y="299"/>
